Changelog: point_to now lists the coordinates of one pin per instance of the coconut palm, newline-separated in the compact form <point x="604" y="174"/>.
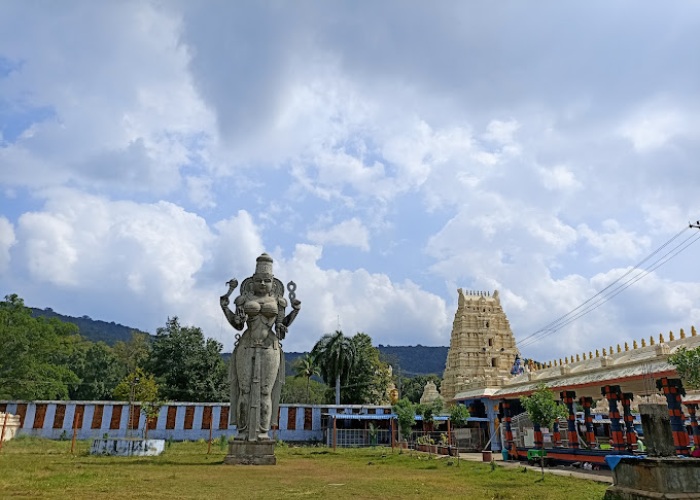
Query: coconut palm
<point x="335" y="355"/>
<point x="306" y="367"/>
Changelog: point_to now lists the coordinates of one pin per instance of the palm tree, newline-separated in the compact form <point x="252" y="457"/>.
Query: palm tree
<point x="335" y="355"/>
<point x="306" y="366"/>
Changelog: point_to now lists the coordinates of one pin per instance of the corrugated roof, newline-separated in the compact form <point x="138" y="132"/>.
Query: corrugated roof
<point x="360" y="416"/>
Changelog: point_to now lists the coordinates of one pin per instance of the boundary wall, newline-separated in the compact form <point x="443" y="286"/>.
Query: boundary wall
<point x="177" y="421"/>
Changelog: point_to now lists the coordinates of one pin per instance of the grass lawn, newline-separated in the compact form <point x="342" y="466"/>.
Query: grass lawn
<point x="37" y="468"/>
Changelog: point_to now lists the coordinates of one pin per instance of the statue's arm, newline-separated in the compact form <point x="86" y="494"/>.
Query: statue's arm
<point x="296" y="307"/>
<point x="235" y="319"/>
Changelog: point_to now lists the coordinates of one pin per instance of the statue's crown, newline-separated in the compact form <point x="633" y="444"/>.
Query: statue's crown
<point x="263" y="264"/>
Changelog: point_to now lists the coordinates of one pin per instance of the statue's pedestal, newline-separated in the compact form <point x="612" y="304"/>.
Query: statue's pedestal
<point x="655" y="478"/>
<point x="250" y="452"/>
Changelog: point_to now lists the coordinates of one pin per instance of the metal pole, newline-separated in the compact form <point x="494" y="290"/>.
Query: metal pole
<point x="335" y="434"/>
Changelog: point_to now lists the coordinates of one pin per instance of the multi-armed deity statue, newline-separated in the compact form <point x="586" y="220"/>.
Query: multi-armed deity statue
<point x="257" y="365"/>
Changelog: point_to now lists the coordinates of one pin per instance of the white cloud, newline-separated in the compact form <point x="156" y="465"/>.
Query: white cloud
<point x="151" y="151"/>
<point x="614" y="242"/>
<point x="559" y="178"/>
<point x="350" y="233"/>
<point x="654" y="125"/>
<point x="7" y="240"/>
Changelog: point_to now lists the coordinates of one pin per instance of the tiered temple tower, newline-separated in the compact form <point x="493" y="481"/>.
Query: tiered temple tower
<point x="482" y="347"/>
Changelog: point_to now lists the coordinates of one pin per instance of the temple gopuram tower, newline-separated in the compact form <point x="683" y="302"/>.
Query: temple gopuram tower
<point x="482" y="347"/>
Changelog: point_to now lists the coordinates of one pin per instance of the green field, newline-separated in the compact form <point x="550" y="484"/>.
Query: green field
<point x="35" y="468"/>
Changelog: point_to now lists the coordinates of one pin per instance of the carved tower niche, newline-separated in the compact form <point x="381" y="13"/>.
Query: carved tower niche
<point x="482" y="347"/>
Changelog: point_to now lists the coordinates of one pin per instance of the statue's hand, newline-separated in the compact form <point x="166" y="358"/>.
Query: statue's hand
<point x="296" y="304"/>
<point x="240" y="314"/>
<point x="281" y="331"/>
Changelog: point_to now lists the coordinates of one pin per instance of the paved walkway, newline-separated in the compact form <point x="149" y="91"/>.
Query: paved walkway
<point x="602" y="476"/>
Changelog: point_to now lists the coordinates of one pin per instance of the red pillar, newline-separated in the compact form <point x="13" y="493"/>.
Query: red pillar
<point x="673" y="390"/>
<point x="586" y="403"/>
<point x="630" y="432"/>
<point x="613" y="395"/>
<point x="572" y="435"/>
<point x="505" y="410"/>
<point x="692" y="410"/>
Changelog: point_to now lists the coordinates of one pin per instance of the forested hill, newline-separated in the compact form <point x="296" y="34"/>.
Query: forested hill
<point x="415" y="360"/>
<point x="405" y="360"/>
<point x="92" y="329"/>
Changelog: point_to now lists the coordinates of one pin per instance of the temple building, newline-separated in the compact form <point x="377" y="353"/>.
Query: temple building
<point x="482" y="347"/>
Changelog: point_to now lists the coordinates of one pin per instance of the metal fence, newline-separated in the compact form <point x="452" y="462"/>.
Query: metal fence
<point x="357" y="438"/>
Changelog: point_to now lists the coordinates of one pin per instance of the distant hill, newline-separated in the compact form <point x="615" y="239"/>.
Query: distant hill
<point x="92" y="329"/>
<point x="405" y="360"/>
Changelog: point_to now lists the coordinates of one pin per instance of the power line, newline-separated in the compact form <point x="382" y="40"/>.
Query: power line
<point x="614" y="288"/>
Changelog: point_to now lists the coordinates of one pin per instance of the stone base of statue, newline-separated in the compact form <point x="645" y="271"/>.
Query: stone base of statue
<point x="655" y="478"/>
<point x="250" y="452"/>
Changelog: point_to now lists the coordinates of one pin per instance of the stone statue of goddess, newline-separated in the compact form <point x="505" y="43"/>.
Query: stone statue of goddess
<point x="257" y="364"/>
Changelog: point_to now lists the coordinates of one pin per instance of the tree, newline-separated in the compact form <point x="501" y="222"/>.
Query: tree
<point x="306" y="367"/>
<point x="369" y="376"/>
<point x="406" y="415"/>
<point x="335" y="356"/>
<point x="34" y="353"/>
<point x="186" y="366"/>
<point x="134" y="353"/>
<point x="543" y="409"/>
<point x="98" y="369"/>
<point x="412" y="388"/>
<point x="428" y="411"/>
<point x="297" y="390"/>
<point x="687" y="363"/>
<point x="140" y="386"/>
<point x="459" y="414"/>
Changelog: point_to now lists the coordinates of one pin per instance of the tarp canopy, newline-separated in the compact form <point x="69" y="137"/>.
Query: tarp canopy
<point x="360" y="416"/>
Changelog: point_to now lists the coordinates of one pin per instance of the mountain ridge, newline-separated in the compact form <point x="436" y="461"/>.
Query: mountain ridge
<point x="406" y="361"/>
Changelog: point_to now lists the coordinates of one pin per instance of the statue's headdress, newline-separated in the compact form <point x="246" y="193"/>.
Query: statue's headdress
<point x="263" y="265"/>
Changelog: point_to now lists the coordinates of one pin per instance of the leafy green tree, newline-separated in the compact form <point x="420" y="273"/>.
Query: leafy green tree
<point x="98" y="369"/>
<point x="335" y="355"/>
<point x="543" y="409"/>
<point x="405" y="412"/>
<point x="459" y="415"/>
<point x="135" y="352"/>
<point x="429" y="411"/>
<point x="369" y="376"/>
<point x="412" y="388"/>
<point x="306" y="367"/>
<point x="296" y="390"/>
<point x="34" y="353"/>
<point x="140" y="387"/>
<point x="186" y="366"/>
<point x="687" y="363"/>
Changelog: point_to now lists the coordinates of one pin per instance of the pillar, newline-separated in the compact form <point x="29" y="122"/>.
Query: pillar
<point x="630" y="432"/>
<point x="673" y="390"/>
<point x="571" y="434"/>
<point x="692" y="409"/>
<point x="587" y="402"/>
<point x="505" y="410"/>
<point x="538" y="436"/>
<point x="556" y="435"/>
<point x="613" y="395"/>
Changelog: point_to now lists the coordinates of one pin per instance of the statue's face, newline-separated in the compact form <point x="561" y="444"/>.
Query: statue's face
<point x="263" y="284"/>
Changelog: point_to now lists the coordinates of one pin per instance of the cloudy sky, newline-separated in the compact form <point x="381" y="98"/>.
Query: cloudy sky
<point x="385" y="153"/>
